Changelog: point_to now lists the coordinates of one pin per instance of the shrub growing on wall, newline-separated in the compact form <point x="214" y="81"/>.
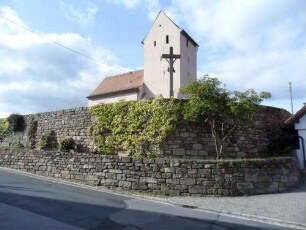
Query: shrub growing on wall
<point x="16" y="122"/>
<point x="67" y="144"/>
<point x="135" y="127"/>
<point x="32" y="134"/>
<point x="44" y="142"/>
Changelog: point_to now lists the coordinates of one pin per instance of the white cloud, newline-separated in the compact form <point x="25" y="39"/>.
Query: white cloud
<point x="37" y="75"/>
<point x="151" y="6"/>
<point x="130" y="4"/>
<point x="249" y="44"/>
<point x="83" y="15"/>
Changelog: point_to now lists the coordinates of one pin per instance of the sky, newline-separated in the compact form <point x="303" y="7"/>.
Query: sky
<point x="53" y="53"/>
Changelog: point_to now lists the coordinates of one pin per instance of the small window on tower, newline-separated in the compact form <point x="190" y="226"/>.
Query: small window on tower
<point x="167" y="39"/>
<point x="187" y="41"/>
<point x="154" y="43"/>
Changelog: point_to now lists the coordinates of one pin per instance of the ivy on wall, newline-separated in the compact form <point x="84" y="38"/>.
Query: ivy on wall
<point x="4" y="126"/>
<point x="134" y="127"/>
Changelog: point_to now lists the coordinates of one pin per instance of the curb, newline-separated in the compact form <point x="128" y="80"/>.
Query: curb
<point x="160" y="200"/>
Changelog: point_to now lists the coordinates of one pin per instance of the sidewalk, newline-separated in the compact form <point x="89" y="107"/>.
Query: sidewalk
<point x="287" y="208"/>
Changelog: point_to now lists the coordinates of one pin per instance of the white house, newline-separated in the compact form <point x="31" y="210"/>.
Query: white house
<point x="299" y="122"/>
<point x="154" y="79"/>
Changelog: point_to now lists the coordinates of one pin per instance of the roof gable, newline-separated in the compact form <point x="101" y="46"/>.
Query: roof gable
<point x="160" y="15"/>
<point x="119" y="83"/>
<point x="295" y="117"/>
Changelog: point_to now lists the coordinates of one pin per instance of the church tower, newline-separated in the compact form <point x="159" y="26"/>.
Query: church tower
<point x="164" y="34"/>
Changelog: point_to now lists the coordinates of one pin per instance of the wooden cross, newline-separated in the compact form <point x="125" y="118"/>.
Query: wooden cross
<point x="171" y="58"/>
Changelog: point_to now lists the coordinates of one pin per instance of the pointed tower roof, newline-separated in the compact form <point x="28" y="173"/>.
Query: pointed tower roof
<point x="182" y="31"/>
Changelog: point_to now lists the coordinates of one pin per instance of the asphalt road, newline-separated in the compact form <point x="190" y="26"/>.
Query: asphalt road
<point x="33" y="203"/>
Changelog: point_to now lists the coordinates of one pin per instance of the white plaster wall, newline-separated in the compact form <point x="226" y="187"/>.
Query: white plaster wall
<point x="111" y="99"/>
<point x="156" y="75"/>
<point x="188" y="64"/>
<point x="301" y="128"/>
<point x="301" y="124"/>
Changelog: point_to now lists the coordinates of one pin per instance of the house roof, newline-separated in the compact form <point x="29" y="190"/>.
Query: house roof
<point x="118" y="83"/>
<point x="295" y="117"/>
<point x="182" y="31"/>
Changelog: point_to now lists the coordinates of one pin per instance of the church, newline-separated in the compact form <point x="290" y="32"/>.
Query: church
<point x="170" y="63"/>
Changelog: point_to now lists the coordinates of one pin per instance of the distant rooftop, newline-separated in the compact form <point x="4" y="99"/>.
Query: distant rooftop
<point x="119" y="83"/>
<point x="295" y="117"/>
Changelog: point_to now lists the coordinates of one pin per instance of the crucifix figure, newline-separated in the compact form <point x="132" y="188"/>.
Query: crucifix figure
<point x="171" y="58"/>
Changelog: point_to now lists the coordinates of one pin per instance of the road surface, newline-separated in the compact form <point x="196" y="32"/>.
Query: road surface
<point x="33" y="203"/>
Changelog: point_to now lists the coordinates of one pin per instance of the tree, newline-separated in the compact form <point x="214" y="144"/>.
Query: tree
<point x="223" y="110"/>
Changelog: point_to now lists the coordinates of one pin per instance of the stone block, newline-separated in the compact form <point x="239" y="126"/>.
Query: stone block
<point x="111" y="175"/>
<point x="117" y="171"/>
<point x="126" y="159"/>
<point x="148" y="180"/>
<point x="184" y="134"/>
<point x="160" y="161"/>
<point x="125" y="184"/>
<point x="173" y="193"/>
<point x="197" y="146"/>
<point x="248" y="177"/>
<point x="223" y="192"/>
<point x="197" y="189"/>
<point x="110" y="182"/>
<point x="172" y="181"/>
<point x="121" y="177"/>
<point x="192" y="152"/>
<point x="245" y="185"/>
<point x="264" y="178"/>
<point x="179" y="152"/>
<point x="210" y="166"/>
<point x="187" y="181"/>
<point x="273" y="187"/>
<point x="153" y="186"/>
<point x="181" y="171"/>
<point x="192" y="171"/>
<point x="167" y="175"/>
<point x="139" y="186"/>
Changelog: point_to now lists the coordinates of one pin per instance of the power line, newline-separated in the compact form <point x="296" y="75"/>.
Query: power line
<point x="62" y="46"/>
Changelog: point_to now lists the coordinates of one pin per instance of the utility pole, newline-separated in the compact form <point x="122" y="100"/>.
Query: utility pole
<point x="171" y="58"/>
<point x="290" y="95"/>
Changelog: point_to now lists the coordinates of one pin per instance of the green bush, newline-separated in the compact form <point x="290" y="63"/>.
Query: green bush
<point x="67" y="144"/>
<point x="135" y="127"/>
<point x="44" y="142"/>
<point x="16" y="122"/>
<point x="32" y="134"/>
<point x="4" y="126"/>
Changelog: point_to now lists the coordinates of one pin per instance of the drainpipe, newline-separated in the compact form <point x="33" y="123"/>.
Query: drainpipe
<point x="303" y="149"/>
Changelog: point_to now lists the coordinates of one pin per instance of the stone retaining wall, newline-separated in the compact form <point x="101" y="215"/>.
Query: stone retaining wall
<point x="160" y="176"/>
<point x="192" y="139"/>
<point x="60" y="124"/>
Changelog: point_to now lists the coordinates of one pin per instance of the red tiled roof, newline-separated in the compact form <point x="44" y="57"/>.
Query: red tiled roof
<point x="296" y="116"/>
<point x="118" y="83"/>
